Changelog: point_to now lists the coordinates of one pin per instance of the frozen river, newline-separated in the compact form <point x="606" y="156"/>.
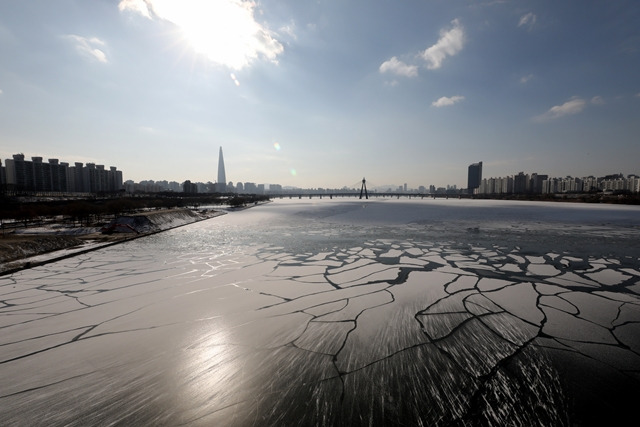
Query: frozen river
<point x="336" y="312"/>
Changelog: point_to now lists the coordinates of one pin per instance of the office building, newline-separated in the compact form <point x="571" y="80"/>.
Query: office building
<point x="474" y="177"/>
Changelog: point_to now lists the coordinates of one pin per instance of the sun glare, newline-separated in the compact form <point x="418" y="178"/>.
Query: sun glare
<point x="224" y="31"/>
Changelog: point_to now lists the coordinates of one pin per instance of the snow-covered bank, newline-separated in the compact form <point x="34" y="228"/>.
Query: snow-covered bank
<point x="150" y="222"/>
<point x="47" y="244"/>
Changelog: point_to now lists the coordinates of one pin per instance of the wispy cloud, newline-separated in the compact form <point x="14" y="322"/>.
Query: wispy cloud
<point x="488" y="3"/>
<point x="224" y="31"/>
<point x="447" y="101"/>
<point x="395" y="66"/>
<point x="89" y="47"/>
<point x="450" y="43"/>
<point x="574" y="106"/>
<point x="528" y="21"/>
<point x="147" y="129"/>
<point x="289" y="30"/>
<point x="597" y="100"/>
<point x="525" y="79"/>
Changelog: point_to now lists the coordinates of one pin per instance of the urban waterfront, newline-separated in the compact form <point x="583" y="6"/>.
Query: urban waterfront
<point x="337" y="312"/>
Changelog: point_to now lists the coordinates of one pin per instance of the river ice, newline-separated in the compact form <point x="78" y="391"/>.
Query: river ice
<point x="336" y="312"/>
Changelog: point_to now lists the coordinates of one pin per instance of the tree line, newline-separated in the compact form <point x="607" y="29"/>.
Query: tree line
<point x="95" y="210"/>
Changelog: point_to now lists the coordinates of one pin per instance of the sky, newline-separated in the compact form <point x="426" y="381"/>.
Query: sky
<point x="323" y="93"/>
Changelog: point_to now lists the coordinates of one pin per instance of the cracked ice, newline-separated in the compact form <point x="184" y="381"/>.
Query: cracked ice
<point x="305" y="314"/>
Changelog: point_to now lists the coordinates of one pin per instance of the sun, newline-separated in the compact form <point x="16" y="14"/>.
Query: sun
<point x="223" y="31"/>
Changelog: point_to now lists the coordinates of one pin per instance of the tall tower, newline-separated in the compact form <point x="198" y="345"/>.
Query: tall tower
<point x="364" y="189"/>
<point x="221" y="186"/>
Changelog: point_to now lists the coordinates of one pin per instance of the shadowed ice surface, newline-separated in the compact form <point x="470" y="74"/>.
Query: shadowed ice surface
<point x="336" y="312"/>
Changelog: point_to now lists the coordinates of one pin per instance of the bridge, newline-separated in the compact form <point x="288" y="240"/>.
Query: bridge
<point x="397" y="195"/>
<point x="365" y="193"/>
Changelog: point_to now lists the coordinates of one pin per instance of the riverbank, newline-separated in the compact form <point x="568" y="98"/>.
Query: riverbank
<point x="41" y="245"/>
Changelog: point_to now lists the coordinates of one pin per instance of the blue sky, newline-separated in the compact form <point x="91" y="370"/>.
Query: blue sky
<point x="321" y="93"/>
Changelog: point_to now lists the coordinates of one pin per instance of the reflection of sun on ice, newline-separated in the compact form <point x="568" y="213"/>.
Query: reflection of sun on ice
<point x="209" y="372"/>
<point x="224" y="31"/>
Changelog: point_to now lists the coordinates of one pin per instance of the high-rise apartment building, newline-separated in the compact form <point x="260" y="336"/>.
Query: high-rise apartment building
<point x="520" y="183"/>
<point x="474" y="177"/>
<point x="59" y="175"/>
<point x="250" y="187"/>
<point x="55" y="176"/>
<point x="189" y="187"/>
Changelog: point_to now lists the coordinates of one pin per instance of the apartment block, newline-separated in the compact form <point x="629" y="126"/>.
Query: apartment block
<point x="55" y="176"/>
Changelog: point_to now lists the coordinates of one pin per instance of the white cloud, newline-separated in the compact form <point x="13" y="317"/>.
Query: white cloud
<point x="573" y="106"/>
<point x="450" y="42"/>
<point x="399" y="68"/>
<point x="447" y="101"/>
<point x="139" y="6"/>
<point x="89" y="47"/>
<point x="525" y="79"/>
<point x="1" y="92"/>
<point x="224" y="31"/>
<point x="528" y="21"/>
<point x="597" y="100"/>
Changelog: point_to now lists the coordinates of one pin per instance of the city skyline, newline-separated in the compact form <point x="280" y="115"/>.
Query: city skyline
<point x="319" y="95"/>
<point x="9" y="177"/>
